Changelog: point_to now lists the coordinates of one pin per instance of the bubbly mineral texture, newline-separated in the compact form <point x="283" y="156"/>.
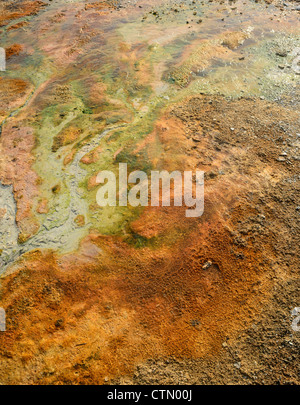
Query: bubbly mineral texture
<point x="145" y="295"/>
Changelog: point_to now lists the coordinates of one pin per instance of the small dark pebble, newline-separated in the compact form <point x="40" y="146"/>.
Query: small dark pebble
<point x="59" y="323"/>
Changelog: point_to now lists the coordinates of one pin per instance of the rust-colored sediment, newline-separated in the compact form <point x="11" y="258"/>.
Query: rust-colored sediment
<point x="17" y="143"/>
<point x="13" y="50"/>
<point x="100" y="312"/>
<point x="11" y="10"/>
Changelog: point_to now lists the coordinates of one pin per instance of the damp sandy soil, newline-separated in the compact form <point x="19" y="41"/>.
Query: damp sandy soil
<point x="123" y="295"/>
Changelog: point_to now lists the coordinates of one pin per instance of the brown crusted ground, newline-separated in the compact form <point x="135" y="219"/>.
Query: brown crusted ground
<point x="13" y="94"/>
<point x="13" y="9"/>
<point x="17" y="143"/>
<point x="65" y="137"/>
<point x="12" y="90"/>
<point x="18" y="25"/>
<point x="113" y="310"/>
<point x="13" y="50"/>
<point x="101" y="5"/>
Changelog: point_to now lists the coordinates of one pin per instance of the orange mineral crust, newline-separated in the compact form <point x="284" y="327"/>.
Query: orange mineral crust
<point x="111" y="306"/>
<point x="97" y="294"/>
